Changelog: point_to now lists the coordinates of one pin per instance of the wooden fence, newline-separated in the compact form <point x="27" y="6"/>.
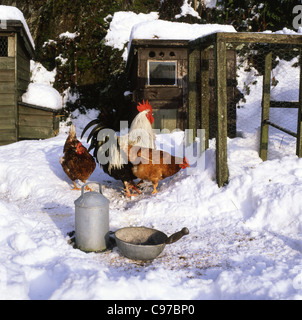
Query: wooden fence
<point x="199" y="89"/>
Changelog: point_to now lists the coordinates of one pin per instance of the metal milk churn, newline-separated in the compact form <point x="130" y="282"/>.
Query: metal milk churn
<point x="92" y="220"/>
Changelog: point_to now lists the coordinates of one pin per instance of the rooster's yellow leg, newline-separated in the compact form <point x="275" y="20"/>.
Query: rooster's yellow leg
<point x="134" y="187"/>
<point x="154" y="187"/>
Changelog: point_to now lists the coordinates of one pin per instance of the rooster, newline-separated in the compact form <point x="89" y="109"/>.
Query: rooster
<point x="154" y="165"/>
<point x="140" y="134"/>
<point x="76" y="162"/>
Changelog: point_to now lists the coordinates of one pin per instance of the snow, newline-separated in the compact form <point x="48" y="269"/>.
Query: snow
<point x="120" y="28"/>
<point x="126" y="26"/>
<point x="168" y="30"/>
<point x="244" y="243"/>
<point x="210" y="3"/>
<point x="43" y="95"/>
<point x="69" y="35"/>
<point x="39" y="74"/>
<point x="13" y="13"/>
<point x="187" y="9"/>
<point x="40" y="91"/>
<point x="245" y="239"/>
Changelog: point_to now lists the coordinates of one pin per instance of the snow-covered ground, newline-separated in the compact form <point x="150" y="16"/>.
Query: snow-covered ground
<point x="245" y="239"/>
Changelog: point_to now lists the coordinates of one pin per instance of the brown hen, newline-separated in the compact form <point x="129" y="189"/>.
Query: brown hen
<point x="154" y="165"/>
<point x="76" y="162"/>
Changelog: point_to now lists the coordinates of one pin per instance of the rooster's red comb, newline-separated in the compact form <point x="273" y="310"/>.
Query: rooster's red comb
<point x="144" y="106"/>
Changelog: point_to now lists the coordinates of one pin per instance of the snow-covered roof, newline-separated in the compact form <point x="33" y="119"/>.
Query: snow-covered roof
<point x="167" y="30"/>
<point x="126" y="26"/>
<point x="12" y="13"/>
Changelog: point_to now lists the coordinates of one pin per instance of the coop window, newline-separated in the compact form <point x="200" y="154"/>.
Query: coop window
<point x="162" y="73"/>
<point x="3" y="46"/>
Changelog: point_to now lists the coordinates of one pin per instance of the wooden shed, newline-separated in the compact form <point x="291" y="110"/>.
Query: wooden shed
<point x="17" y="120"/>
<point x="157" y="71"/>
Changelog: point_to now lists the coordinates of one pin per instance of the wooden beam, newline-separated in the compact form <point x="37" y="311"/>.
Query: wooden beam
<point x="266" y="97"/>
<point x="248" y="37"/>
<point x="205" y="94"/>
<point x="299" y="133"/>
<point x="192" y="88"/>
<point x="284" y="104"/>
<point x="289" y="132"/>
<point x="222" y="172"/>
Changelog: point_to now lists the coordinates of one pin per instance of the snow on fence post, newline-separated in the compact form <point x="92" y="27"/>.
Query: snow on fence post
<point x="220" y="74"/>
<point x="266" y="99"/>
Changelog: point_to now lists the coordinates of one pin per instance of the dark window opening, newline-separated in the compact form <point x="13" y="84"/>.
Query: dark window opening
<point x="151" y="54"/>
<point x="162" y="73"/>
<point x="3" y="47"/>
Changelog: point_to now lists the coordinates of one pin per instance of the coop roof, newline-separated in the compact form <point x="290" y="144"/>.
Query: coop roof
<point x="12" y="20"/>
<point x="167" y="33"/>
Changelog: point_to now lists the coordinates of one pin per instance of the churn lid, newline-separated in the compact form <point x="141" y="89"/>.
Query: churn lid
<point x="92" y="199"/>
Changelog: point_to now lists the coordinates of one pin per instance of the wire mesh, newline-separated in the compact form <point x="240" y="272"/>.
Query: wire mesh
<point x="3" y="46"/>
<point x="284" y="94"/>
<point x="255" y="92"/>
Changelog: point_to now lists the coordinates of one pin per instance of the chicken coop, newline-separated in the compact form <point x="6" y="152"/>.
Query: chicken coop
<point x="19" y="120"/>
<point x="274" y="61"/>
<point x="157" y="71"/>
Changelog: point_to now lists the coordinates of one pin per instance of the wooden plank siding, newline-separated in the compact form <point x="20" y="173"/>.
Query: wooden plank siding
<point x="23" y="69"/>
<point x="8" y="108"/>
<point x="37" y="123"/>
<point x="18" y="120"/>
<point x="166" y="100"/>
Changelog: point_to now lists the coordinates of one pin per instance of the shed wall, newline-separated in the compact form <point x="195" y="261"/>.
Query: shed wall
<point x="23" y="68"/>
<point x="8" y="107"/>
<point x="37" y="123"/>
<point x="169" y="102"/>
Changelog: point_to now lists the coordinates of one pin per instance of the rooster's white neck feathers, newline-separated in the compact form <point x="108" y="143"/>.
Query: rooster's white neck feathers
<point x="140" y="134"/>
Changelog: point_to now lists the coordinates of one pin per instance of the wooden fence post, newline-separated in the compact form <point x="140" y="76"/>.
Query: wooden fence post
<point x="192" y="87"/>
<point x="266" y="100"/>
<point x="205" y="94"/>
<point x="222" y="172"/>
<point x="299" y="133"/>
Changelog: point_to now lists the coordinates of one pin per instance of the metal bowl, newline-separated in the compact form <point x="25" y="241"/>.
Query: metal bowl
<point x="141" y="243"/>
